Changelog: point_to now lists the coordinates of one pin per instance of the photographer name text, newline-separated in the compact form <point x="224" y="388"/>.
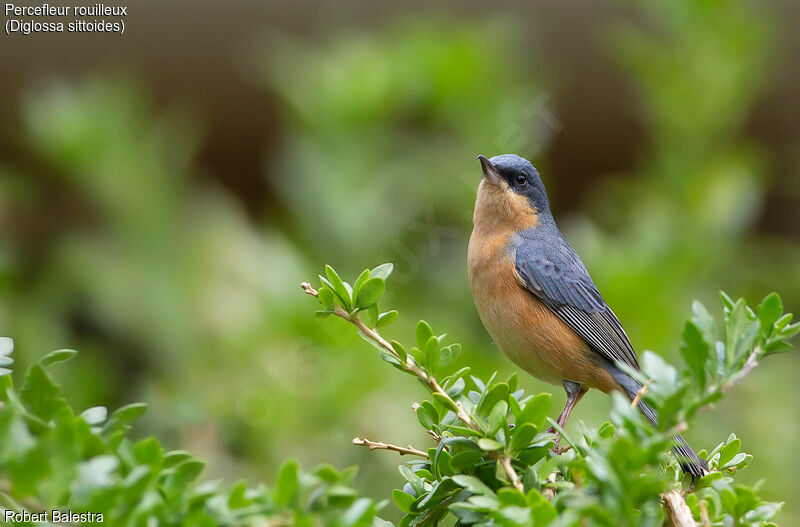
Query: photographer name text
<point x="54" y="516"/>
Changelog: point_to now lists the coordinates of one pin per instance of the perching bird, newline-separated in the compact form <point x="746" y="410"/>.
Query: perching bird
<point x="537" y="300"/>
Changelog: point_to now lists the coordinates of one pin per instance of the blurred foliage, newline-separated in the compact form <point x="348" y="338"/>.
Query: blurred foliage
<point x="86" y="467"/>
<point x="114" y="241"/>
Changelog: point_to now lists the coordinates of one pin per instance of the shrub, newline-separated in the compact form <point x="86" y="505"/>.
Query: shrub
<point x="491" y="459"/>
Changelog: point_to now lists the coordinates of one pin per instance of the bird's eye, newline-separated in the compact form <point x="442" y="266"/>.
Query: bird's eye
<point x="522" y="180"/>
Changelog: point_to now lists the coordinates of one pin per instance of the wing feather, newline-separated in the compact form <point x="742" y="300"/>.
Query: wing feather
<point x="562" y="283"/>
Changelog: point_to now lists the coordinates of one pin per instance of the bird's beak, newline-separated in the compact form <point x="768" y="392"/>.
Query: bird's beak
<point x="489" y="171"/>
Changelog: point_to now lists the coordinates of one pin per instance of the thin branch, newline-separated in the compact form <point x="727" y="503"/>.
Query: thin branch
<point x="410" y="366"/>
<point x="704" y="514"/>
<point x="505" y="462"/>
<point x="378" y="445"/>
<point x="30" y="504"/>
<point x="643" y="390"/>
<point x="750" y="364"/>
<point x="436" y="437"/>
<point x="679" y="513"/>
<point x="548" y="491"/>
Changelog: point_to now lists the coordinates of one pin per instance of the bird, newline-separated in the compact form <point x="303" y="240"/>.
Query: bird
<point x="537" y="300"/>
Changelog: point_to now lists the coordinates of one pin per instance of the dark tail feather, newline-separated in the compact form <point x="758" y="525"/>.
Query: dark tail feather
<point x="689" y="461"/>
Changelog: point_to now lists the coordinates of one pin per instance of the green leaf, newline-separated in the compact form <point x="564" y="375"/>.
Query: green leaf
<point x="738" y="462"/>
<point x="473" y="484"/>
<point x="424" y="332"/>
<point x="128" y="413"/>
<point x="382" y="271"/>
<point x="535" y="411"/>
<point x="727" y="302"/>
<point x="373" y="312"/>
<point x="488" y="444"/>
<point x="542" y="511"/>
<point x="401" y="351"/>
<point x="176" y="457"/>
<point x="149" y="452"/>
<point x="769" y="311"/>
<point x="54" y="357"/>
<point x="695" y="353"/>
<point x="522" y="435"/>
<point x="606" y="430"/>
<point x="370" y="293"/>
<point x="440" y="491"/>
<point x="363" y="277"/>
<point x="741" y="330"/>
<point x="415" y="481"/>
<point x="431" y="351"/>
<point x="497" y="417"/>
<point x="237" y="498"/>
<point x="729" y="451"/>
<point x="387" y="318"/>
<point x="40" y="394"/>
<point x="326" y="297"/>
<point x="427" y="415"/>
<point x="402" y="500"/>
<point x="455" y="388"/>
<point x="339" y="288"/>
<point x="327" y="473"/>
<point x="763" y="512"/>
<point x="190" y="469"/>
<point x="498" y="392"/>
<point x="511" y="497"/>
<point x="783" y="321"/>
<point x="287" y="483"/>
<point x="360" y="513"/>
<point x="707" y="480"/>
<point x="445" y="401"/>
<point x="465" y="460"/>
<point x="448" y="354"/>
<point x="95" y="416"/>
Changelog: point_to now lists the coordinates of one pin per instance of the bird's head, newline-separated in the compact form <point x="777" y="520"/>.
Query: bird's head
<point x="510" y="192"/>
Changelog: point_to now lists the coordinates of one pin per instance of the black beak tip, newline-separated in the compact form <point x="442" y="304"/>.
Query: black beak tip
<point x="489" y="170"/>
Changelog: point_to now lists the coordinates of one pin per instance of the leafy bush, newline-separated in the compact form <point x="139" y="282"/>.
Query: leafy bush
<point x="491" y="461"/>
<point x="54" y="459"/>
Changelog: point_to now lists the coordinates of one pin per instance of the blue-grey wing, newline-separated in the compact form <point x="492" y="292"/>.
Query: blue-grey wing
<point x="556" y="275"/>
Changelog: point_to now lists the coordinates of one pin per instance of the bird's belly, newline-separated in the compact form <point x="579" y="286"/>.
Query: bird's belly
<point x="527" y="332"/>
<point x="531" y="336"/>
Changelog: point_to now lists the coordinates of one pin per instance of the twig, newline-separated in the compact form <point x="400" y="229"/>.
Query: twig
<point x="436" y="437"/>
<point x="750" y="364"/>
<point x="410" y="366"/>
<point x="30" y="504"/>
<point x="505" y="462"/>
<point x="378" y="445"/>
<point x="548" y="491"/>
<point x="704" y="514"/>
<point x="643" y="390"/>
<point x="679" y="513"/>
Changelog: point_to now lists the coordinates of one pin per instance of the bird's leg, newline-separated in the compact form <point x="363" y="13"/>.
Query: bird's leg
<point x="574" y="393"/>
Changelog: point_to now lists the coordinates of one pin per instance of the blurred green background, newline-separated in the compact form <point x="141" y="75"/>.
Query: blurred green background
<point x="162" y="194"/>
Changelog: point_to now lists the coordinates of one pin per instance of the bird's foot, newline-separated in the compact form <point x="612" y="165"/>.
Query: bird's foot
<point x="556" y="449"/>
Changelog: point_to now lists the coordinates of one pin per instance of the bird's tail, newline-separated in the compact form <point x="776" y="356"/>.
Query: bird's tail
<point x="689" y="461"/>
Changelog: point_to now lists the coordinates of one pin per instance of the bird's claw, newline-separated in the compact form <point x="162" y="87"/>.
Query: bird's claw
<point x="556" y="449"/>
